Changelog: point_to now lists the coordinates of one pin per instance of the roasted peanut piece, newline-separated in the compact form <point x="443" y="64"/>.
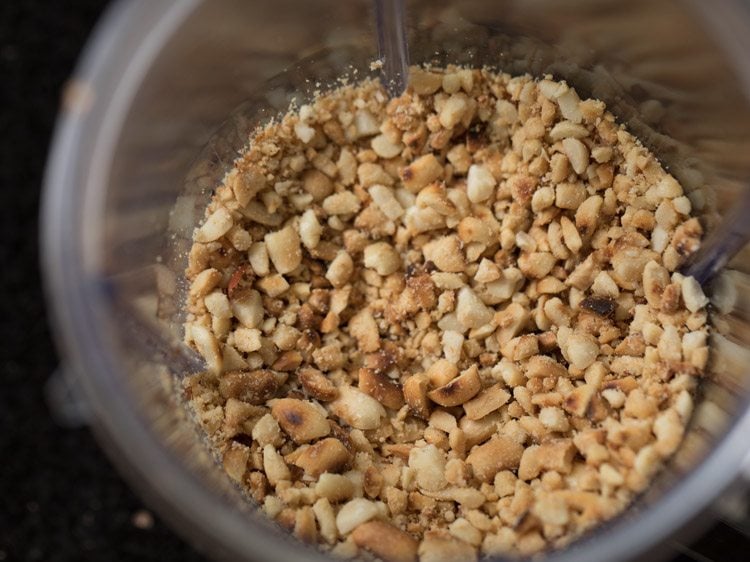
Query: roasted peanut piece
<point x="284" y="249"/>
<point x="217" y="225"/>
<point x="386" y="541"/>
<point x="556" y="456"/>
<point x="317" y="385"/>
<point x="415" y="395"/>
<point x="301" y="420"/>
<point x="471" y="312"/>
<point x="446" y="254"/>
<point x="442" y="547"/>
<point x="441" y="372"/>
<point x="459" y="390"/>
<point x="382" y="257"/>
<point x="355" y="513"/>
<point x="382" y="388"/>
<point x="429" y="465"/>
<point x="327" y="455"/>
<point x="357" y="408"/>
<point x="486" y="402"/>
<point x="480" y="184"/>
<point x="499" y="453"/>
<point x="423" y="171"/>
<point x="364" y="329"/>
<point x="254" y="387"/>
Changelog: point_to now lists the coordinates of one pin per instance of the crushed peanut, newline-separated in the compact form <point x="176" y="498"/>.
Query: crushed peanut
<point x="444" y="326"/>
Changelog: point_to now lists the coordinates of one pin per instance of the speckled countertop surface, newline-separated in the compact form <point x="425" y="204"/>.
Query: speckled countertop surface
<point x="60" y="498"/>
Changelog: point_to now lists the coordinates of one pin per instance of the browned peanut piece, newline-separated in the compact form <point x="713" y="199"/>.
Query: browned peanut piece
<point x="208" y="346"/>
<point x="301" y="420"/>
<point x="423" y="171"/>
<point x="446" y="254"/>
<point x="435" y="197"/>
<point x="235" y="461"/>
<point x="304" y="525"/>
<point x="246" y="184"/>
<point x="459" y="390"/>
<point x="486" y="402"/>
<point x="536" y="264"/>
<point x="441" y="372"/>
<point x="385" y="541"/>
<point x="655" y="280"/>
<point x="317" y="384"/>
<point x="382" y="388"/>
<point x="317" y="184"/>
<point x="577" y="402"/>
<point x="334" y="487"/>
<point x="204" y="282"/>
<point x="439" y="546"/>
<point x="423" y="82"/>
<point x="254" y="387"/>
<point x="236" y="413"/>
<point x="521" y="347"/>
<point x="499" y="453"/>
<point x="557" y="456"/>
<point x="363" y="328"/>
<point x="327" y="455"/>
<point x="415" y="394"/>
<point x="478" y="431"/>
<point x="357" y="409"/>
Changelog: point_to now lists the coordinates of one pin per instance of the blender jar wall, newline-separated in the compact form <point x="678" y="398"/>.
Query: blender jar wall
<point x="132" y="169"/>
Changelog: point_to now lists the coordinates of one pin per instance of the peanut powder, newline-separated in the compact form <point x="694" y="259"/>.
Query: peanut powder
<point x="448" y="324"/>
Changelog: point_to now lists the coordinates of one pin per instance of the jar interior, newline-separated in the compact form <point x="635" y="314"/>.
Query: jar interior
<point x="231" y="65"/>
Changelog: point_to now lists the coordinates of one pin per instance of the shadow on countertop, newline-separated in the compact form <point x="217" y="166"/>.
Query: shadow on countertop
<point x="60" y="498"/>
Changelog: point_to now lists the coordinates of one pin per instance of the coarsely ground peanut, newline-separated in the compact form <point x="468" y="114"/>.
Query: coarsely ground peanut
<point x="447" y="324"/>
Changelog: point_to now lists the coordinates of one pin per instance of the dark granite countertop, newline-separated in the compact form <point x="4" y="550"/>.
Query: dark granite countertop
<point x="60" y="498"/>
